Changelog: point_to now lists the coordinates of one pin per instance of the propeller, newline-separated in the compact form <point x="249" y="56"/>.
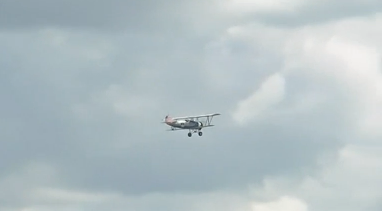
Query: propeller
<point x="164" y="119"/>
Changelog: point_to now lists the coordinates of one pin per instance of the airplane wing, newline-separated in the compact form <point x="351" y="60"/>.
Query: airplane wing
<point x="176" y="129"/>
<point x="197" y="116"/>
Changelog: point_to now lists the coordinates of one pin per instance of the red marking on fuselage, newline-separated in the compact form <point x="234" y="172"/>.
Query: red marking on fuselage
<point x="169" y="120"/>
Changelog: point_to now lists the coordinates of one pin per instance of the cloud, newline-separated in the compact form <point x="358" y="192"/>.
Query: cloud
<point x="284" y="203"/>
<point x="332" y="188"/>
<point x="296" y="13"/>
<point x="349" y="63"/>
<point x="333" y="70"/>
<point x="82" y="14"/>
<point x="270" y="93"/>
<point x="346" y="67"/>
<point x="84" y="89"/>
<point x="118" y="100"/>
<point x="262" y="6"/>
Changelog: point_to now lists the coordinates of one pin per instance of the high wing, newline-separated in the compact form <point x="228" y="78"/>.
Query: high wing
<point x="197" y="116"/>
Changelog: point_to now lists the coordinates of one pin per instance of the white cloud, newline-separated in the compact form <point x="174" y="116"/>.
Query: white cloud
<point x="349" y="182"/>
<point x="332" y="53"/>
<point x="285" y="203"/>
<point x="340" y="64"/>
<point x="270" y="93"/>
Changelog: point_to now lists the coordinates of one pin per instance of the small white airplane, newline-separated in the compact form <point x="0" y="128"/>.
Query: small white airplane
<point x="190" y="123"/>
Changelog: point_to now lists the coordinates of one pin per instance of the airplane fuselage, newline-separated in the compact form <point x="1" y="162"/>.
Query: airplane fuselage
<point x="186" y="124"/>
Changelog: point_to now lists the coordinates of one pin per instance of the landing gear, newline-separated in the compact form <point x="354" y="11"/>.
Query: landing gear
<point x="195" y="131"/>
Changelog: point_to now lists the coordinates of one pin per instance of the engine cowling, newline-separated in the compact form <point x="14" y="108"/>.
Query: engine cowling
<point x="200" y="124"/>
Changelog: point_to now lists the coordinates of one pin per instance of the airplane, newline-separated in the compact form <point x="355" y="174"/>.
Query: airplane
<point x="190" y="123"/>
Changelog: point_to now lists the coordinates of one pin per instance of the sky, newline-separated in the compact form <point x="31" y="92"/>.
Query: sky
<point x="85" y="85"/>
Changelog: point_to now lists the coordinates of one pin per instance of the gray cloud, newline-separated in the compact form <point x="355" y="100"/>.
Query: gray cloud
<point x="68" y="97"/>
<point x="92" y="14"/>
<point x="84" y="152"/>
<point x="137" y="17"/>
<point x="315" y="12"/>
<point x="164" y="16"/>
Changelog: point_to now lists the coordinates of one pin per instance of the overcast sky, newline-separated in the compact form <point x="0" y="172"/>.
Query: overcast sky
<point x="85" y="84"/>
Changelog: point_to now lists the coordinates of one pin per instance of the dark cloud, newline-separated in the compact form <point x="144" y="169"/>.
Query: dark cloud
<point x="96" y="148"/>
<point x="137" y="17"/>
<point x="149" y="159"/>
<point x="163" y="16"/>
<point x="79" y="14"/>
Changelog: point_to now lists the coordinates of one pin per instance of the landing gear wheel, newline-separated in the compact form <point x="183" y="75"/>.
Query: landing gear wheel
<point x="200" y="133"/>
<point x="189" y="134"/>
